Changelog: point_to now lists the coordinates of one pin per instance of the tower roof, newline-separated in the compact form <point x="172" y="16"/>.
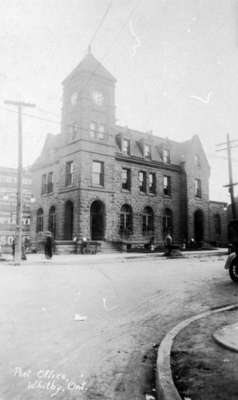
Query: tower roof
<point x="92" y="66"/>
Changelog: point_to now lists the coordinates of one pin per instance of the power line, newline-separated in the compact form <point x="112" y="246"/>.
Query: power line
<point x="112" y="45"/>
<point x="100" y="23"/>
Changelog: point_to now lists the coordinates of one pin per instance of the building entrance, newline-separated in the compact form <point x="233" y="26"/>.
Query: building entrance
<point x="198" y="226"/>
<point x="68" y="220"/>
<point x="97" y="216"/>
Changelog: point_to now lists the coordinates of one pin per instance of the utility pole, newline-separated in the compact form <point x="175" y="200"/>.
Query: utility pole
<point x="18" y="241"/>
<point x="231" y="184"/>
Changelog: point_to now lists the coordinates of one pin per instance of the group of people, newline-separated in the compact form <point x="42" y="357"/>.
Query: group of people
<point x="48" y="247"/>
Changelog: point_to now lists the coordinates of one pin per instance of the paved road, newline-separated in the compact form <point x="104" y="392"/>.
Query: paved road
<point x="49" y="351"/>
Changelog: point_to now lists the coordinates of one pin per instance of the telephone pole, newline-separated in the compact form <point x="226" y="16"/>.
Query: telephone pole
<point x="231" y="184"/>
<point x="18" y="239"/>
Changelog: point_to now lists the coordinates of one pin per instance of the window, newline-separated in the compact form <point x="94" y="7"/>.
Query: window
<point x="39" y="220"/>
<point x="44" y="184"/>
<point x="148" y="220"/>
<point x="126" y="146"/>
<point x="98" y="173"/>
<point x="152" y="183"/>
<point x="166" y="156"/>
<point x="126" y="179"/>
<point x="198" y="188"/>
<point x="147" y="151"/>
<point x="167" y="185"/>
<point x="167" y="222"/>
<point x="50" y="182"/>
<point x="217" y="224"/>
<point x="52" y="221"/>
<point x="69" y="170"/>
<point x="101" y="132"/>
<point x="142" y="181"/>
<point x="74" y="130"/>
<point x="126" y="220"/>
<point x="93" y="130"/>
<point x="197" y="160"/>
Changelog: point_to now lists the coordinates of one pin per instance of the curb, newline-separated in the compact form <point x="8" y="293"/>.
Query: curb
<point x="165" y="386"/>
<point x="77" y="259"/>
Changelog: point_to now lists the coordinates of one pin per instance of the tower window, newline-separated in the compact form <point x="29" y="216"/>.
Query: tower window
<point x="69" y="170"/>
<point x="93" y="130"/>
<point x="50" y="182"/>
<point x="198" y="188"/>
<point x="98" y="173"/>
<point x="101" y="131"/>
<point x="74" y="130"/>
<point x="44" y="184"/>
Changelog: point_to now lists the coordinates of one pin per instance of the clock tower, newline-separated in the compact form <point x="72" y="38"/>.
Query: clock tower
<point x="88" y="110"/>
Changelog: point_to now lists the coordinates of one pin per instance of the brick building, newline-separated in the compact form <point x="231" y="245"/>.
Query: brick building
<point x="107" y="182"/>
<point x="8" y="193"/>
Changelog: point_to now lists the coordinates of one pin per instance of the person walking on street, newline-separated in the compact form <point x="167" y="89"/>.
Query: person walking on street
<point x="48" y="246"/>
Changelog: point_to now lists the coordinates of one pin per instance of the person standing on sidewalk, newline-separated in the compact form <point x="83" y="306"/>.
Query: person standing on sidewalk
<point x="168" y="243"/>
<point x="48" y="245"/>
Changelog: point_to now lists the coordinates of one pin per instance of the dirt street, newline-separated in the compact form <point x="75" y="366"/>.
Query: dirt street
<point x="88" y="331"/>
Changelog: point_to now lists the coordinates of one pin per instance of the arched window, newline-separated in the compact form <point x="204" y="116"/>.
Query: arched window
<point x="147" y="220"/>
<point x="217" y="224"/>
<point x="68" y="220"/>
<point x="126" y="219"/>
<point x="39" y="220"/>
<point x="52" y="221"/>
<point x="167" y="221"/>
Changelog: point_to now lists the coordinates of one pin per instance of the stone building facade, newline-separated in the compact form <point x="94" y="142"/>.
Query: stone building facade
<point x="111" y="183"/>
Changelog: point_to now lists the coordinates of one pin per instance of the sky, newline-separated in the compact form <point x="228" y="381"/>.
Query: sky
<point x="175" y="61"/>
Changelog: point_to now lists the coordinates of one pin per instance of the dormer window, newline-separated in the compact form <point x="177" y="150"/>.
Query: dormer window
<point x="126" y="146"/>
<point x="93" y="130"/>
<point x="147" y="151"/>
<point x="166" y="156"/>
<point x="101" y="131"/>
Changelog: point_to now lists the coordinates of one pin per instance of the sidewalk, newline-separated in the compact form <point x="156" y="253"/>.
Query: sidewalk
<point x="77" y="259"/>
<point x="203" y="357"/>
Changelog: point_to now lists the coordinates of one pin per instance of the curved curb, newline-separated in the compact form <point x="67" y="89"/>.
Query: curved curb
<point x="165" y="386"/>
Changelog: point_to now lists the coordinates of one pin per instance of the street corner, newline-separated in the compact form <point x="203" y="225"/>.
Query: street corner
<point x="192" y="358"/>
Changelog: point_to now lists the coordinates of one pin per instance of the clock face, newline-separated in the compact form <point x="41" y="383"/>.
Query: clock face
<point x="74" y="98"/>
<point x="98" y="98"/>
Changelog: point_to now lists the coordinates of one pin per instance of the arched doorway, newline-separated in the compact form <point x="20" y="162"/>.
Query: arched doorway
<point x="97" y="217"/>
<point x="52" y="221"/>
<point x="198" y="226"/>
<point x="68" y="220"/>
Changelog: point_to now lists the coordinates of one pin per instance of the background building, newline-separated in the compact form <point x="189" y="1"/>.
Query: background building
<point x="112" y="183"/>
<point x="8" y="193"/>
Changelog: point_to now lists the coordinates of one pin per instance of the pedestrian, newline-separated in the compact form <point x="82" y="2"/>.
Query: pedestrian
<point x="48" y="245"/>
<point x="23" y="249"/>
<point x="84" y="245"/>
<point x="13" y="248"/>
<point x="168" y="243"/>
